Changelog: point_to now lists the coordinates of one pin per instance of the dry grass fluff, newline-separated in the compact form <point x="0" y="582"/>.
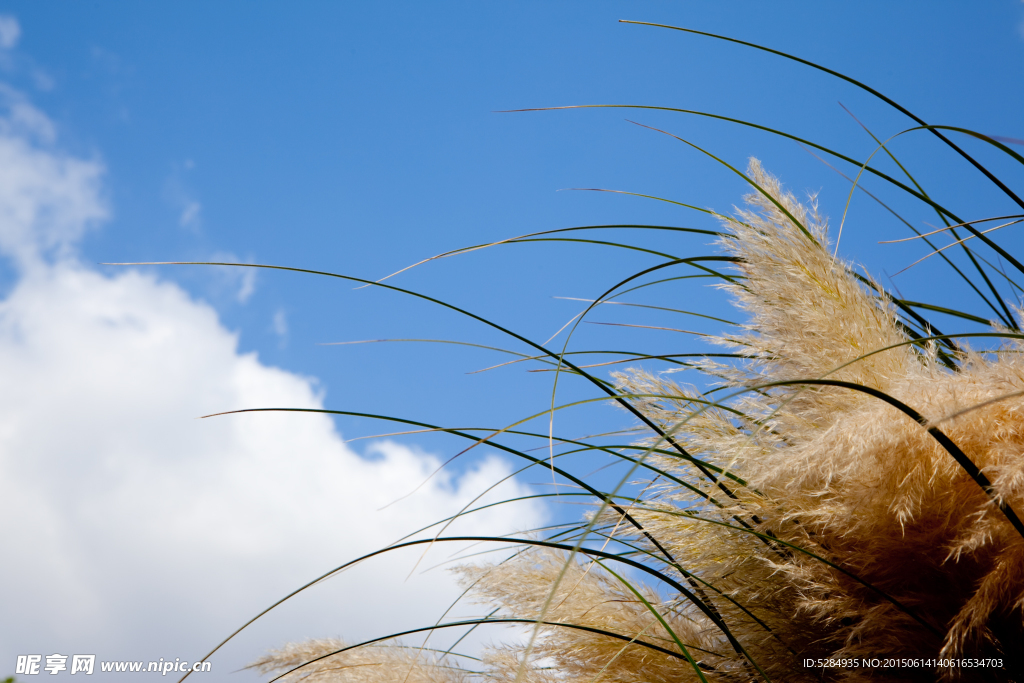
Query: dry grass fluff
<point x="837" y="525"/>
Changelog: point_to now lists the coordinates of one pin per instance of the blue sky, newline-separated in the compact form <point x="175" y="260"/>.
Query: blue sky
<point x="360" y="138"/>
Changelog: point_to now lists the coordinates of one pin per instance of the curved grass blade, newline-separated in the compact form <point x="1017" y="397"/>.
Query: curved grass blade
<point x="647" y="196"/>
<point x="888" y="598"/>
<point x="740" y="649"/>
<point x="960" y="225"/>
<point x="499" y="620"/>
<point x="652" y="327"/>
<point x="579" y="482"/>
<point x="668" y="580"/>
<point x="741" y="174"/>
<point x="522" y="356"/>
<point x="599" y="242"/>
<point x="947" y="311"/>
<point x="670" y="279"/>
<point x="998" y="183"/>
<point x="950" y="447"/>
<point x="942" y="217"/>
<point x="667" y="437"/>
<point x="867" y="168"/>
<point x="994" y="141"/>
<point x="559" y="357"/>
<point x="464" y="250"/>
<point x="979" y="406"/>
<point x="655" y="308"/>
<point x="966" y="224"/>
<point x="489" y="441"/>
<point x="900" y="218"/>
<point x="919" y="194"/>
<point x="1008" y="320"/>
<point x="694" y="577"/>
<point x="633" y="355"/>
<point x="663" y="435"/>
<point x="927" y="327"/>
<point x="958" y="242"/>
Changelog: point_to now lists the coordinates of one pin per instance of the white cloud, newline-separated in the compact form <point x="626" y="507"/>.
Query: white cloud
<point x="132" y="530"/>
<point x="47" y="199"/>
<point x="178" y="195"/>
<point x="241" y="280"/>
<point x="10" y="31"/>
<point x="280" y="324"/>
<point x="190" y="213"/>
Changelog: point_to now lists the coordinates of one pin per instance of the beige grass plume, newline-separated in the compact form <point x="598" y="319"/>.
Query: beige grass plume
<point x="848" y="530"/>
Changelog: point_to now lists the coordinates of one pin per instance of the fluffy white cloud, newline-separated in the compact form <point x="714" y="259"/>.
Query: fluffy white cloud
<point x="132" y="530"/>
<point x="47" y="199"/>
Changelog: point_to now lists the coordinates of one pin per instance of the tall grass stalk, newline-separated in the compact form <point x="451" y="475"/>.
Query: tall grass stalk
<point x="846" y="485"/>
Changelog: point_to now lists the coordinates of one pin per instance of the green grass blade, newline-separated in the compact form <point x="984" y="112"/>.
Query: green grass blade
<point x="485" y="245"/>
<point x="947" y="311"/>
<point x="998" y="183"/>
<point x="654" y="308"/>
<point x="972" y="470"/>
<point x="741" y="174"/>
<point x="664" y="624"/>
<point x="792" y="546"/>
<point x="603" y="386"/>
<point x="618" y="245"/>
<point x="942" y="217"/>
<point x="1008" y="319"/>
<point x="602" y="496"/>
<point x="917" y="232"/>
<point x="468" y="622"/>
<point x="519" y="541"/>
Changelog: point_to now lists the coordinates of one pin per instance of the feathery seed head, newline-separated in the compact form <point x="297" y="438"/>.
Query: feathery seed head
<point x="834" y="522"/>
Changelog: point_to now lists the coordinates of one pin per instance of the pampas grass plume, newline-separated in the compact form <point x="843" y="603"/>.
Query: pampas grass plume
<point x="870" y="539"/>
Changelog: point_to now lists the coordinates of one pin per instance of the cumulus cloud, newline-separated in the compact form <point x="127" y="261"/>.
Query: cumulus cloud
<point x="47" y="199"/>
<point x="133" y="530"/>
